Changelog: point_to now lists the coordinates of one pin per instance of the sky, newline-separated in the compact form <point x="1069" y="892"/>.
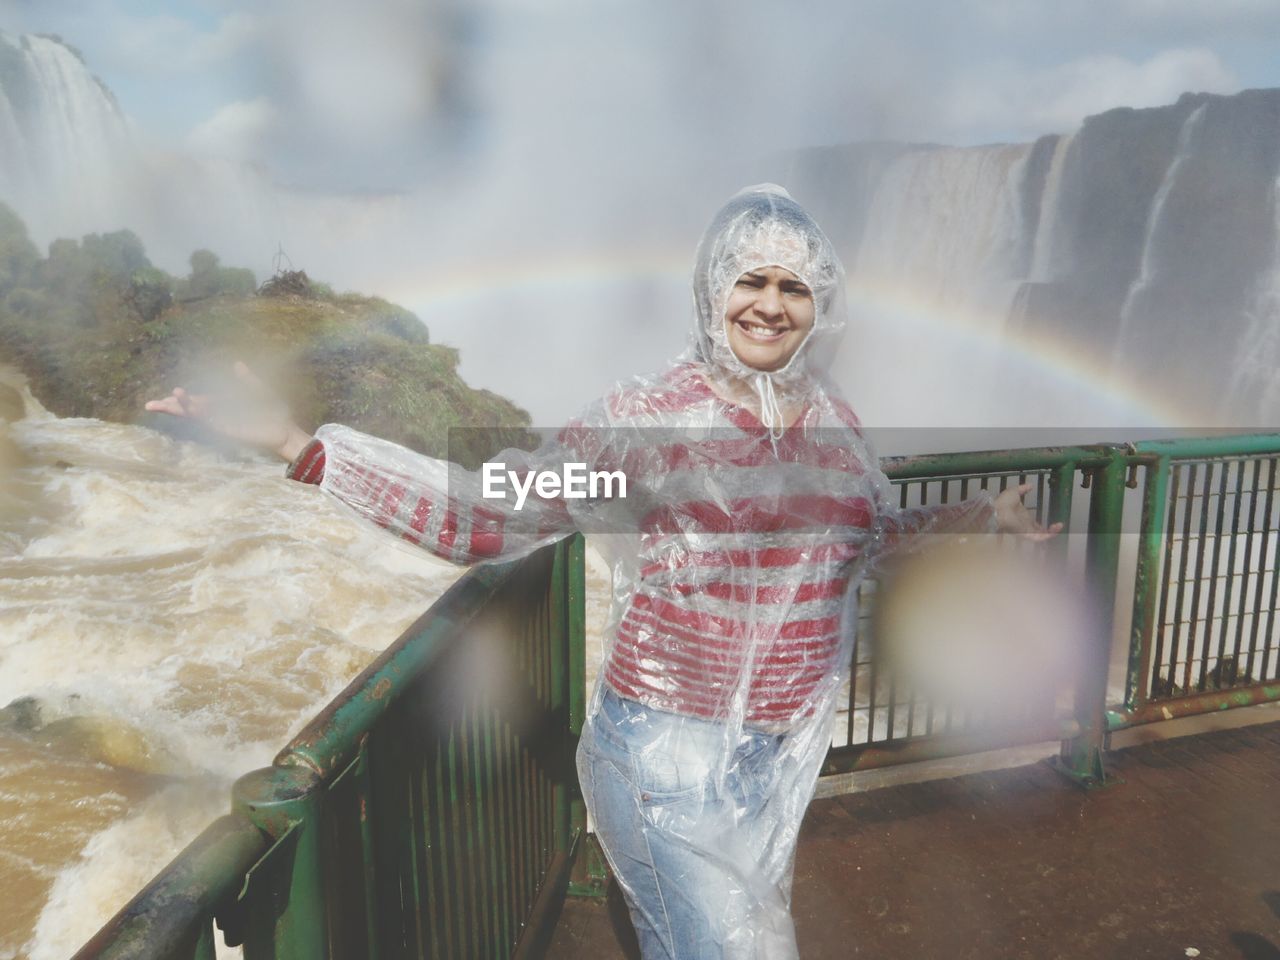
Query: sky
<point x="456" y="144"/>
<point x="305" y="87"/>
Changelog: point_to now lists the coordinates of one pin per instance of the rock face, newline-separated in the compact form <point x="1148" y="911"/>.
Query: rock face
<point x="98" y="331"/>
<point x="1148" y="236"/>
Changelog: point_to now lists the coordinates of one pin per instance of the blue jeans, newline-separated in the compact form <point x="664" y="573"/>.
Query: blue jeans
<point x="699" y="822"/>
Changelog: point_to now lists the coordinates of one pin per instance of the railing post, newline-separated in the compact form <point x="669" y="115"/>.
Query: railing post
<point x="1145" y="587"/>
<point x="286" y="802"/>
<point x="1081" y="757"/>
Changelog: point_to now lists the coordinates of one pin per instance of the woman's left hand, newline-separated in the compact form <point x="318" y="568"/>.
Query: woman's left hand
<point x="1012" y="516"/>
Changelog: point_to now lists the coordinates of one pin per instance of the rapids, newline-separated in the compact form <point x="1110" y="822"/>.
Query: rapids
<point x="169" y="617"/>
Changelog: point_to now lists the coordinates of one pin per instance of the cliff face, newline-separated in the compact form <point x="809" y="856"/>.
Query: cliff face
<point x="1148" y="237"/>
<point x="98" y="331"/>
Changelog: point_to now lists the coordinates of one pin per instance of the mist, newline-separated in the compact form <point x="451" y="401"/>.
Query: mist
<point x="532" y="180"/>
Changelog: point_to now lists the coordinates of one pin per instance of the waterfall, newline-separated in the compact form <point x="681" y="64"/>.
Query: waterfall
<point x="948" y="222"/>
<point x="66" y="145"/>
<point x="1147" y="270"/>
<point x="1044" y="250"/>
<point x="1255" y="392"/>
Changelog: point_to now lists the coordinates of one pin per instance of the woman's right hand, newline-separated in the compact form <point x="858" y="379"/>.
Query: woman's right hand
<point x="258" y="418"/>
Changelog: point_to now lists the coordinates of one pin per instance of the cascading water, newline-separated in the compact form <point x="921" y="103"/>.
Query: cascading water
<point x="1149" y="268"/>
<point x="1146" y="241"/>
<point x="948" y="222"/>
<point x="66" y="145"/>
<point x="168" y="619"/>
<point x="70" y="165"/>
<point x="1044" y="254"/>
<point x="1257" y="360"/>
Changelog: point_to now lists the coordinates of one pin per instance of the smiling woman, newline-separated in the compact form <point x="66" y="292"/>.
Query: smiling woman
<point x="754" y="505"/>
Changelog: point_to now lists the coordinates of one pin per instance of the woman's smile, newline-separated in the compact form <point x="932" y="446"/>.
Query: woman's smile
<point x="760" y="332"/>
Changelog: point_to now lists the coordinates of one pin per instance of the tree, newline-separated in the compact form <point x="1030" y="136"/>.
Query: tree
<point x="118" y="255"/>
<point x="18" y="255"/>
<point x="209" y="278"/>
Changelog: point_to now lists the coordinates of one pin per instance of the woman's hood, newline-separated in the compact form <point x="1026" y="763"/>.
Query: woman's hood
<point x="762" y="226"/>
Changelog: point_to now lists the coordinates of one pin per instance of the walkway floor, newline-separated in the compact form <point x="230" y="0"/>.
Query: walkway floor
<point x="1182" y="859"/>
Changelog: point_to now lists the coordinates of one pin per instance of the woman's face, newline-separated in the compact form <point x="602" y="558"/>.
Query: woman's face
<point x="770" y="312"/>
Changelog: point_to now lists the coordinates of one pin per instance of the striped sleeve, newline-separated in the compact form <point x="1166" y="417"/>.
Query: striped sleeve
<point x="428" y="502"/>
<point x="308" y="465"/>
<point x="906" y="529"/>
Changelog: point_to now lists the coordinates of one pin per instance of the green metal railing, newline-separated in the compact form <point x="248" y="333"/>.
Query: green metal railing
<point x="1203" y="627"/>
<point x="432" y="809"/>
<point x="1203" y="634"/>
<point x="885" y="720"/>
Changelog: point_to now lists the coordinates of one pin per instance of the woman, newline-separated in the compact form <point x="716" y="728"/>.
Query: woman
<point x="754" y="507"/>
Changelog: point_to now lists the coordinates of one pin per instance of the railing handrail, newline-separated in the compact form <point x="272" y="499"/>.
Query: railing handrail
<point x="172" y="911"/>
<point x="1211" y="446"/>
<point x="921" y="465"/>
<point x="329" y="742"/>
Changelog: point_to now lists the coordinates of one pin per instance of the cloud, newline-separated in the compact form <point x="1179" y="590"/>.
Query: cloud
<point x="1074" y="90"/>
<point x="1181" y="13"/>
<point x="237" y="131"/>
<point x="364" y="100"/>
<point x="234" y="34"/>
<point x="1152" y="20"/>
<point x="159" y="43"/>
<point x="1027" y="102"/>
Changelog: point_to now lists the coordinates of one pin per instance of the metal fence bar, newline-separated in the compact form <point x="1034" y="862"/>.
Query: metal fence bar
<point x="1265" y="672"/>
<point x="1175" y="645"/>
<point x="1219" y="518"/>
<point x="1197" y="620"/>
<point x="1148" y="593"/>
<point x="1231" y="572"/>
<point x="1233" y="668"/>
<point x="1258" y="581"/>
<point x="1248" y="558"/>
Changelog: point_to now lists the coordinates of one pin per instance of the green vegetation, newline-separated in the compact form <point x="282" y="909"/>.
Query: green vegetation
<point x="98" y="330"/>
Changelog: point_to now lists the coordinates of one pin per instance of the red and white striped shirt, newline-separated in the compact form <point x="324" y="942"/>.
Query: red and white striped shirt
<point x="747" y="543"/>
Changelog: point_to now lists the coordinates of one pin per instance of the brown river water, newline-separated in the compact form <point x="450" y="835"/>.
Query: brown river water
<point x="169" y="617"/>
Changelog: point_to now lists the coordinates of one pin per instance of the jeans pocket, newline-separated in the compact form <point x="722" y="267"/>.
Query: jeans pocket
<point x="758" y="765"/>
<point x="666" y="759"/>
<point x="614" y="718"/>
<point x="661" y="781"/>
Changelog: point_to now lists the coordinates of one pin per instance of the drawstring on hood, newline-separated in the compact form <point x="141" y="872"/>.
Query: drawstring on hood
<point x="762" y="226"/>
<point x="770" y="412"/>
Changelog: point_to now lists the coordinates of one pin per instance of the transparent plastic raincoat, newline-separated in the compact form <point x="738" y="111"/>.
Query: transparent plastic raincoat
<point x="753" y="507"/>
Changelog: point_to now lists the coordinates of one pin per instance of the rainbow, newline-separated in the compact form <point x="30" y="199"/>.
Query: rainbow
<point x="1053" y="356"/>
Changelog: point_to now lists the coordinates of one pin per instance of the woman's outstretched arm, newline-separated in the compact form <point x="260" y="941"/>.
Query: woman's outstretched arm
<point x="428" y="502"/>
<point x="452" y="512"/>
<point x="900" y="529"/>
<point x="261" y="419"/>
